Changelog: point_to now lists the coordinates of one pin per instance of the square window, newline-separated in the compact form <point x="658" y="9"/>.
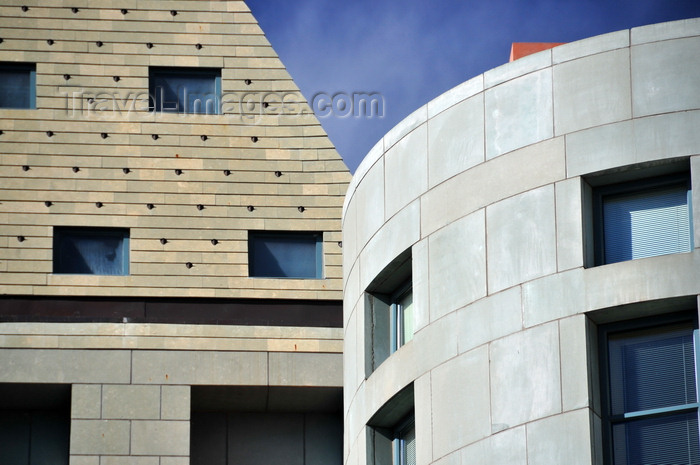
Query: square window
<point x="185" y="90"/>
<point x="650" y="400"/>
<point x="100" y="251"/>
<point x="642" y="219"/>
<point x="17" y="85"/>
<point x="285" y="254"/>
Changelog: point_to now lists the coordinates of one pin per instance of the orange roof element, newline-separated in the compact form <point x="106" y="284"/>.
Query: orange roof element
<point x="522" y="49"/>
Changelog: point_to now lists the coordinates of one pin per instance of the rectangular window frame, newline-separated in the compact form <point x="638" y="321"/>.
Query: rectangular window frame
<point x="399" y="443"/>
<point x="609" y="420"/>
<point x="397" y="320"/>
<point x="157" y="105"/>
<point x="318" y="253"/>
<point x="122" y="234"/>
<point x="30" y="68"/>
<point x="599" y="193"/>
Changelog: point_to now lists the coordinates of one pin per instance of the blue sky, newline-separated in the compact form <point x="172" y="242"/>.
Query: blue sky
<point x="411" y="51"/>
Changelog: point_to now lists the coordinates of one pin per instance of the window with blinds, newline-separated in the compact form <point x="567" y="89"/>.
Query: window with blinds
<point x="650" y="394"/>
<point x="643" y="219"/>
<point x="99" y="251"/>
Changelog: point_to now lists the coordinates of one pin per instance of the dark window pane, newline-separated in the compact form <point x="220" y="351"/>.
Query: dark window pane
<point x="646" y="224"/>
<point x="91" y="251"/>
<point x="652" y="369"/>
<point x="669" y="440"/>
<point x="16" y="85"/>
<point x="285" y="255"/>
<point x="185" y="90"/>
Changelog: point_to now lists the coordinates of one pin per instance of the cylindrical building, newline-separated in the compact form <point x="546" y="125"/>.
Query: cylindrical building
<point x="521" y="267"/>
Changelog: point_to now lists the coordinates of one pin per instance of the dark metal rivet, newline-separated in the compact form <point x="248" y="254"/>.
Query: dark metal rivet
<point x="149" y="45"/>
<point x="254" y="138"/>
<point x="214" y="242"/>
<point x="278" y="173"/>
<point x="266" y="104"/>
<point x="76" y="169"/>
<point x="154" y="136"/>
<point x="200" y="207"/>
<point x="25" y="8"/>
<point x="227" y="172"/>
<point x="2" y="40"/>
<point x="251" y="208"/>
<point x="91" y="100"/>
<point x="173" y="13"/>
<point x="340" y="244"/>
<point x="48" y="203"/>
<point x="301" y="209"/>
<point x="98" y="204"/>
<point x="126" y="170"/>
<point x="116" y="78"/>
<point x="178" y="172"/>
<point x="124" y="11"/>
<point x="49" y="133"/>
<point x="25" y="167"/>
<point x="163" y="241"/>
<point x="198" y="46"/>
<point x="189" y="265"/>
<point x="66" y="76"/>
<point x="203" y="137"/>
<point x="99" y="43"/>
<point x="74" y="10"/>
<point x="21" y="238"/>
<point x="150" y="206"/>
<point x="50" y="41"/>
<point x="248" y="82"/>
<point x="104" y="135"/>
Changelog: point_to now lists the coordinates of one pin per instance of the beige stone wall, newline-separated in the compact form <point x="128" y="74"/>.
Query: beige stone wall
<point x="313" y="174"/>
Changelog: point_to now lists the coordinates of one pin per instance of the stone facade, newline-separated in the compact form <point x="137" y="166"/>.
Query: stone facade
<point x="488" y="189"/>
<point x="189" y="188"/>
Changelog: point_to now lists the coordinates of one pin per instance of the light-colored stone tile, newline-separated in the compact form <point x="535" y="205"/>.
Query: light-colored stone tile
<point x="591" y="46"/>
<point x="420" y="277"/>
<point x="406" y="170"/>
<point x="296" y="369"/>
<point x="525" y="380"/>
<point x="397" y="235"/>
<point x="86" y="401"/>
<point x="369" y="199"/>
<point x="456" y="139"/>
<point x="457" y="257"/>
<point x="130" y="402"/>
<point x="455" y="95"/>
<point x="664" y="76"/>
<point x="84" y="460"/>
<point x="517" y="68"/>
<point x="497" y="179"/>
<point x="174" y="461"/>
<point x="600" y="148"/>
<point x="521" y="238"/>
<point x="489" y="318"/>
<point x="519" y="113"/>
<point x="569" y="213"/>
<point x="592" y="91"/>
<point x="184" y="367"/>
<point x="64" y="366"/>
<point x="665" y="31"/>
<point x="553" y="297"/>
<point x="574" y="363"/>
<point x="667" y="136"/>
<point x="422" y="392"/>
<point x="695" y="184"/>
<point x="99" y="437"/>
<point x="407" y="125"/>
<point x="506" y="447"/>
<point x="115" y="460"/>
<point x="160" y="438"/>
<point x="441" y="337"/>
<point x="175" y="403"/>
<point x="458" y="386"/>
<point x="562" y="438"/>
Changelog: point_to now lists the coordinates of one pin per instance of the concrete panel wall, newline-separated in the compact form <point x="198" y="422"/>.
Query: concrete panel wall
<point x="503" y="360"/>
